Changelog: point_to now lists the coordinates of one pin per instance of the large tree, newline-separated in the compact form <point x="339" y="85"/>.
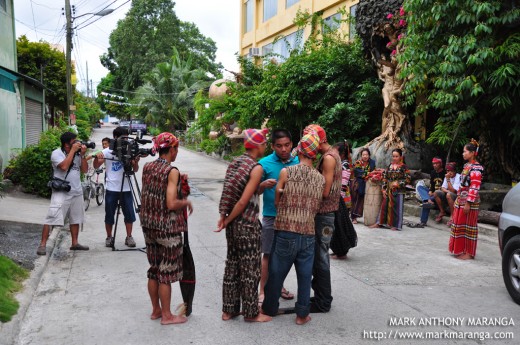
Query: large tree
<point x="463" y="56"/>
<point x="169" y="91"/>
<point x="147" y="36"/>
<point x="35" y="58"/>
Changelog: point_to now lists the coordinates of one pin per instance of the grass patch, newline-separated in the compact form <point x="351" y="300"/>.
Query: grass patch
<point x="11" y="277"/>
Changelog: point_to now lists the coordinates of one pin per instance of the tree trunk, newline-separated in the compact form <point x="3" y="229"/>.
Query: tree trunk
<point x="488" y="217"/>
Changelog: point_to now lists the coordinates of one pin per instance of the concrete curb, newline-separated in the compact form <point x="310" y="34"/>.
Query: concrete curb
<point x="11" y="329"/>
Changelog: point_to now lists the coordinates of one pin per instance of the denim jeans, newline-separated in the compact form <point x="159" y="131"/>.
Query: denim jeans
<point x="288" y="248"/>
<point x="324" y="225"/>
<point x="425" y="196"/>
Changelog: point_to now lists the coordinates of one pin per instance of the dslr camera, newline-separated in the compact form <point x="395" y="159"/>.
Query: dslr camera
<point x="126" y="149"/>
<point x="88" y="144"/>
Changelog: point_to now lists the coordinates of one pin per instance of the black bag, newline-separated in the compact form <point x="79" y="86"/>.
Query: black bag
<point x="344" y="236"/>
<point x="59" y="185"/>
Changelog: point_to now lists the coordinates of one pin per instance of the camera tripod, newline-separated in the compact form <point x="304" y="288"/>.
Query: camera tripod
<point x="136" y="198"/>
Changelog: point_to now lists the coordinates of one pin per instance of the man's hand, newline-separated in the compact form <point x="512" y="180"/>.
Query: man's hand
<point x="221" y="223"/>
<point x="83" y="150"/>
<point x="269" y="183"/>
<point x="77" y="147"/>
<point x="100" y="156"/>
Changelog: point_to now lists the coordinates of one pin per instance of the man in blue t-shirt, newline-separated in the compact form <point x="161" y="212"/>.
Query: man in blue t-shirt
<point x="281" y="143"/>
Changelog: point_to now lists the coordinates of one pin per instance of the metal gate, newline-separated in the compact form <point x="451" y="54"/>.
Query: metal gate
<point x="33" y="121"/>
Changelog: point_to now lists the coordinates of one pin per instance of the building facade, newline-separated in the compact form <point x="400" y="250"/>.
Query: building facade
<point x="22" y="99"/>
<point x="265" y="21"/>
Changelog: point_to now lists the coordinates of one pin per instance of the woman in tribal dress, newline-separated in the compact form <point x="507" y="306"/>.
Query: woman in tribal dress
<point x="464" y="229"/>
<point x="395" y="179"/>
<point x="357" y="191"/>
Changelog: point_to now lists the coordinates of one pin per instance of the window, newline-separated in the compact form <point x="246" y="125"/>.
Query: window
<point x="289" y="3"/>
<point x="3" y="5"/>
<point x="270" y="9"/>
<point x="352" y="22"/>
<point x="282" y="48"/>
<point x="249" y="8"/>
<point x="331" y="23"/>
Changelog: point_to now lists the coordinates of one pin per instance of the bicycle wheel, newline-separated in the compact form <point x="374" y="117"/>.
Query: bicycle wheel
<point x="86" y="197"/>
<point x="100" y="193"/>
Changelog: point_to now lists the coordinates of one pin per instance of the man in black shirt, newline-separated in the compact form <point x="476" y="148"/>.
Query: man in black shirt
<point x="428" y="195"/>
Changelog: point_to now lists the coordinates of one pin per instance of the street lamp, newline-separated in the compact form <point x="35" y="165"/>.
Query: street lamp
<point x="69" y="19"/>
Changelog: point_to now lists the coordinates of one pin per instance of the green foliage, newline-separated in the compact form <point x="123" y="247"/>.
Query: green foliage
<point x="169" y="91"/>
<point x="218" y="145"/>
<point x="35" y="55"/>
<point x="11" y="277"/>
<point x="154" y="131"/>
<point x="464" y="56"/>
<point x="32" y="167"/>
<point x="145" y="37"/>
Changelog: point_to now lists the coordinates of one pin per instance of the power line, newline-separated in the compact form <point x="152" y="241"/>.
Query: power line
<point x="93" y="15"/>
<point x="84" y="26"/>
<point x="34" y="22"/>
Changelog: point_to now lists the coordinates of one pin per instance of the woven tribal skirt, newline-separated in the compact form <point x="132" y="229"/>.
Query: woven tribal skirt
<point x="164" y="252"/>
<point x="464" y="230"/>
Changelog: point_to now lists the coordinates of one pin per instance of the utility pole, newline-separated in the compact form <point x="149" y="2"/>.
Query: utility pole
<point x="92" y="89"/>
<point x="68" y="26"/>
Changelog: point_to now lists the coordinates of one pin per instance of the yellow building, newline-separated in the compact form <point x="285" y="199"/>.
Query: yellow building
<point x="263" y="21"/>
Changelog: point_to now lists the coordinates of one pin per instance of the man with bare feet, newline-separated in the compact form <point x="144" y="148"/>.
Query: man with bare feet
<point x="239" y="211"/>
<point x="298" y="197"/>
<point x="162" y="220"/>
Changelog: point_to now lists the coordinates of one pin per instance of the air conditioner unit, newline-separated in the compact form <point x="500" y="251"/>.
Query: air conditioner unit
<point x="254" y="52"/>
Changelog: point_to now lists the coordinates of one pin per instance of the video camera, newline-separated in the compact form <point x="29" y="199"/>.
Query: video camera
<point x="126" y="149"/>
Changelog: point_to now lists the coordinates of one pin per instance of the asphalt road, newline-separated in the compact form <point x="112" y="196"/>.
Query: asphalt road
<point x="393" y="285"/>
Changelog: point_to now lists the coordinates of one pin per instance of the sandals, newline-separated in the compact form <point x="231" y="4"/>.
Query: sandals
<point x="79" y="247"/>
<point x="438" y="219"/>
<point x="286" y="294"/>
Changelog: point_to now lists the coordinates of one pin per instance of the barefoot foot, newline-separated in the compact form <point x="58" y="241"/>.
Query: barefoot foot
<point x="229" y="316"/>
<point x="173" y="320"/>
<point x="337" y="257"/>
<point x="156" y="314"/>
<point x="259" y="318"/>
<point x="374" y="226"/>
<point x="465" y="257"/>
<point x="302" y="320"/>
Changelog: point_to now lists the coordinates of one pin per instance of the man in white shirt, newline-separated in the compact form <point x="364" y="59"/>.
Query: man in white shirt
<point x="67" y="163"/>
<point x="115" y="178"/>
<point x="450" y="186"/>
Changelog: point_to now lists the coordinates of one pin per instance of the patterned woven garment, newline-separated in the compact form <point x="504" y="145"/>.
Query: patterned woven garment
<point x="392" y="207"/>
<point x="330" y="203"/>
<point x="237" y="176"/>
<point x="154" y="213"/>
<point x="464" y="229"/>
<point x="300" y="200"/>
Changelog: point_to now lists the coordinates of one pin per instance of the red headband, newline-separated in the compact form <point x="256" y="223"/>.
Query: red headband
<point x="437" y="160"/>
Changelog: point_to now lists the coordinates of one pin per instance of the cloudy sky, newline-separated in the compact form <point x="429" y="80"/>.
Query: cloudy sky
<point x="43" y="20"/>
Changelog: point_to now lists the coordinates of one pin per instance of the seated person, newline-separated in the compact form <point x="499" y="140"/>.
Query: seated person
<point x="427" y="195"/>
<point x="448" y="192"/>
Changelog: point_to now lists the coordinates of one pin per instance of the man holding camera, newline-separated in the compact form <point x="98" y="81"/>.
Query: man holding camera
<point x="115" y="178"/>
<point x="67" y="196"/>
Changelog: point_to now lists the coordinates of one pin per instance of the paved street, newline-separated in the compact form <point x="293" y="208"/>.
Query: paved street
<point x="100" y="296"/>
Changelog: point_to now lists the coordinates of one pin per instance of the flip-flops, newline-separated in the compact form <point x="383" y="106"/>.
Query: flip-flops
<point x="79" y="247"/>
<point x="286" y="294"/>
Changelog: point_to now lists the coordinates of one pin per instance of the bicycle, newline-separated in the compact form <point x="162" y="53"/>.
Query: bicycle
<point x="93" y="189"/>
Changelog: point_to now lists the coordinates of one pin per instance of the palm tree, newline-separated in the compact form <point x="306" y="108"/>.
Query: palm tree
<point x="169" y="90"/>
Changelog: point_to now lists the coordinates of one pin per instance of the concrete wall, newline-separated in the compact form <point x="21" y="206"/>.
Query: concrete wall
<point x="11" y="136"/>
<point x="282" y="23"/>
<point x="8" y="38"/>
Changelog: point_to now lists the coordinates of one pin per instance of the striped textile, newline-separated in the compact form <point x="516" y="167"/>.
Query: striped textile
<point x="330" y="203"/>
<point x="254" y="137"/>
<point x="237" y="176"/>
<point x="164" y="253"/>
<point x="464" y="230"/>
<point x="392" y="207"/>
<point x="345" y="183"/>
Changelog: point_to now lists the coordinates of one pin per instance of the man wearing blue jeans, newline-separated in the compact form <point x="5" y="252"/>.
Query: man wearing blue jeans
<point x="298" y="196"/>
<point x="428" y="195"/>
<point x="272" y="165"/>
<point x="115" y="179"/>
<point x="330" y="167"/>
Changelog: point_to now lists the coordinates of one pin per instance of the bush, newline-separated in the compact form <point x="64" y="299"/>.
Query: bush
<point x="154" y="131"/>
<point x="32" y="168"/>
<point x="11" y="276"/>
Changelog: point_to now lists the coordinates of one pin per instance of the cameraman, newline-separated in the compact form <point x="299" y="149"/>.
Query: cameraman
<point x="114" y="180"/>
<point x="67" y="164"/>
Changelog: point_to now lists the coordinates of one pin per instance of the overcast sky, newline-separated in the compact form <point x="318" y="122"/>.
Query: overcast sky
<point x="43" y="20"/>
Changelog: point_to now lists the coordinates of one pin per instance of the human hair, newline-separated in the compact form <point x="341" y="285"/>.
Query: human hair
<point x="280" y="133"/>
<point x="105" y="139"/>
<point x="120" y="131"/>
<point x="343" y="148"/>
<point x="365" y="149"/>
<point x="472" y="146"/>
<point x="66" y="137"/>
